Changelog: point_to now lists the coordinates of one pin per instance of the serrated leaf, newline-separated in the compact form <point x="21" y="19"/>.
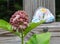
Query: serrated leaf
<point x="40" y="39"/>
<point x="32" y="25"/>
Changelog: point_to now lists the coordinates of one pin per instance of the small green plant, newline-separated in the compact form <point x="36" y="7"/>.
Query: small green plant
<point x="22" y="32"/>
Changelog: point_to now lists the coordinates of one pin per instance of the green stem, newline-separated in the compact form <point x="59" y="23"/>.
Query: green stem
<point x="22" y="38"/>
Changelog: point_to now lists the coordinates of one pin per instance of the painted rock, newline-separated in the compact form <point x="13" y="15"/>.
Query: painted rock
<point x="43" y="14"/>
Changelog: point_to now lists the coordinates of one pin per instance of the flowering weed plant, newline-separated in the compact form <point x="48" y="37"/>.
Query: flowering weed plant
<point x="20" y="26"/>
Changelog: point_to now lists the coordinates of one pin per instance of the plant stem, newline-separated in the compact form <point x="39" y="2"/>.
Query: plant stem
<point x="22" y="38"/>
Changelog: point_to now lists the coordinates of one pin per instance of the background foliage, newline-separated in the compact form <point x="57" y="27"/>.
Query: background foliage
<point x="8" y="7"/>
<point x="57" y="2"/>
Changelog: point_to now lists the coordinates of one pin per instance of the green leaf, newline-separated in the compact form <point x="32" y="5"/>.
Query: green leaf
<point x="5" y="25"/>
<point x="32" y="26"/>
<point x="17" y="6"/>
<point x="40" y="39"/>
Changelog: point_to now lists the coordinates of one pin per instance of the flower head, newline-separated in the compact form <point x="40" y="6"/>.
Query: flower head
<point x="19" y="20"/>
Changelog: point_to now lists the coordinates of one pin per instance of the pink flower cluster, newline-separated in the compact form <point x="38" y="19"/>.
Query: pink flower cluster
<point x="19" y="20"/>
